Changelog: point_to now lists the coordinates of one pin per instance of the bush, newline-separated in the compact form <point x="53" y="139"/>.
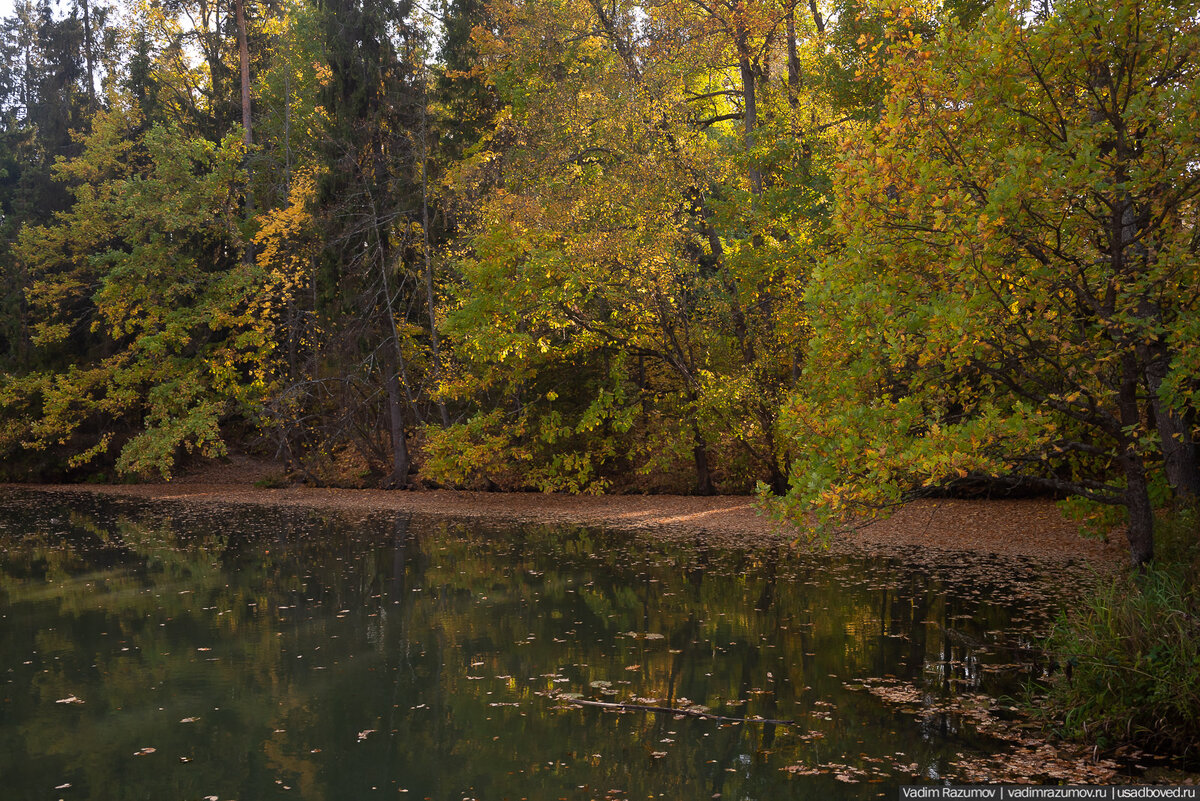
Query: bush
<point x="1131" y="654"/>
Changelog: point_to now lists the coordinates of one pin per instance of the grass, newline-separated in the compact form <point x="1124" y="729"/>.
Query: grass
<point x="1131" y="654"/>
<point x="273" y="481"/>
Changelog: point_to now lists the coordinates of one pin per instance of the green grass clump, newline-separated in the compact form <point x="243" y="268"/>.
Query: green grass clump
<point x="273" y="481"/>
<point x="1131" y="654"/>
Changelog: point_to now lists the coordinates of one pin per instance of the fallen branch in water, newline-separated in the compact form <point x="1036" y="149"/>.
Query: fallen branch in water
<point x="671" y="710"/>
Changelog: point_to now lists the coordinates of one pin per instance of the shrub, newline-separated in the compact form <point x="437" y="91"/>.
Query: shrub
<point x="1131" y="654"/>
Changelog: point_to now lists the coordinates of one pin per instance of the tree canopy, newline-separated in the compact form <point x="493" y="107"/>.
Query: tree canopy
<point x="1016" y="295"/>
<point x="843" y="254"/>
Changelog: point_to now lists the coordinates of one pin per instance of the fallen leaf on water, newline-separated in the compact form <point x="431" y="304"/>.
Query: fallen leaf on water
<point x="70" y="699"/>
<point x="362" y="735"/>
<point x="803" y="770"/>
<point x="145" y="751"/>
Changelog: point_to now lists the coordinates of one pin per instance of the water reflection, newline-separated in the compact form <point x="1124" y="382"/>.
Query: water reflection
<point x="189" y="652"/>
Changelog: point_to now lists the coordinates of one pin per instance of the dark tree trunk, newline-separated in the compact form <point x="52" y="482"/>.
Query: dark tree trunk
<point x="750" y="120"/>
<point x="426" y="247"/>
<point x="777" y="475"/>
<point x="1174" y="429"/>
<point x="793" y="60"/>
<point x="778" y="479"/>
<point x="244" y="56"/>
<point x="816" y="14"/>
<point x="247" y="129"/>
<point x="88" y="55"/>
<point x="1137" y="495"/>
<point x="399" y="477"/>
<point x="1141" y="516"/>
<point x="704" y="485"/>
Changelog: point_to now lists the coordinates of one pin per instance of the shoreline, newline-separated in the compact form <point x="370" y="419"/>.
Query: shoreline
<point x="1013" y="529"/>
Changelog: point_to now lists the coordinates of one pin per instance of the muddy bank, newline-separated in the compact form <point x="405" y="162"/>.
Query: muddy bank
<point x="1027" y="529"/>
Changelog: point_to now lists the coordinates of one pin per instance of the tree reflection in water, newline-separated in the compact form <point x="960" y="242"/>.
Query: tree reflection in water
<point x="284" y="653"/>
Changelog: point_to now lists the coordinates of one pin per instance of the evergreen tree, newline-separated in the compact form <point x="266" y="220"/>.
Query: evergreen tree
<point x="368" y="358"/>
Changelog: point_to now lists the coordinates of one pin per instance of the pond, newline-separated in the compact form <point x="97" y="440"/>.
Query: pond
<point x="159" y="651"/>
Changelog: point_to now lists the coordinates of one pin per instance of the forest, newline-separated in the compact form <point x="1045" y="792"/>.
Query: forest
<point x="841" y="254"/>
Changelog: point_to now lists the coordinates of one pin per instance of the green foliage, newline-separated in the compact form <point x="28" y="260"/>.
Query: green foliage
<point x="1014" y="270"/>
<point x="644" y="215"/>
<point x="861" y="249"/>
<point x="139" y="302"/>
<point x="1131" y="653"/>
<point x="290" y="127"/>
<point x="466" y="104"/>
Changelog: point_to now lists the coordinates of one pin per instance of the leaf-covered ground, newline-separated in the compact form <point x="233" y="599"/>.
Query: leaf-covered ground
<point x="931" y="530"/>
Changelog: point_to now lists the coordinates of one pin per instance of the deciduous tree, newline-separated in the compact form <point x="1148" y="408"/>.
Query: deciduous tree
<point x="1017" y="296"/>
<point x="140" y="308"/>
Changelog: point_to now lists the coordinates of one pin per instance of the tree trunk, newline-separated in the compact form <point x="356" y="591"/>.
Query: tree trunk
<point x="1174" y="429"/>
<point x="1141" y="516"/>
<point x="87" y="56"/>
<point x="399" y="477"/>
<point x="435" y="351"/>
<point x="816" y="14"/>
<point x="750" y="120"/>
<point x="777" y="476"/>
<point x="793" y="61"/>
<point x="244" y="56"/>
<point x="387" y="308"/>
<point x="247" y="131"/>
<point x="1137" y="495"/>
<point x="704" y="485"/>
<point x="624" y="49"/>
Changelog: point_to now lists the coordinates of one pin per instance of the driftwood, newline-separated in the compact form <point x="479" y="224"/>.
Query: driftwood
<point x="670" y="710"/>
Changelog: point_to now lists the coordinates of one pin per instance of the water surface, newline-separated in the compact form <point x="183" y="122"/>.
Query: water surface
<point x="158" y="651"/>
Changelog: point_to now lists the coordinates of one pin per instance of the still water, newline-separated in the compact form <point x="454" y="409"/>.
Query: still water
<point x="172" y="652"/>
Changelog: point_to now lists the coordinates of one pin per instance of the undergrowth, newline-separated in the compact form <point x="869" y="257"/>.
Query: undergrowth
<point x="1131" y="654"/>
